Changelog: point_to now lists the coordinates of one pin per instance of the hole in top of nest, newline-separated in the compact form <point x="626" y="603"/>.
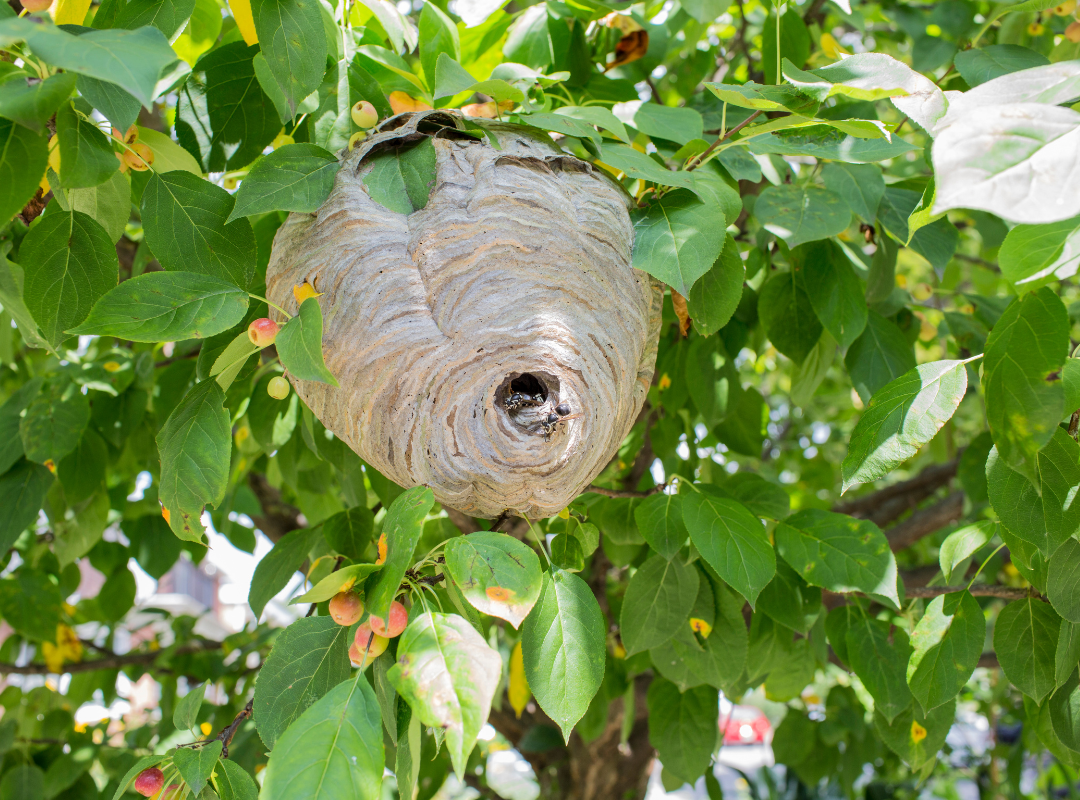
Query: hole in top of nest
<point x="529" y="384"/>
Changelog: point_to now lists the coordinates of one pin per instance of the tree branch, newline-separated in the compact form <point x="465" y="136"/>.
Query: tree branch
<point x="885" y="505"/>
<point x="278" y="517"/>
<point x="978" y="590"/>
<point x="112" y="662"/>
<point x="926" y="521"/>
<point x="699" y="160"/>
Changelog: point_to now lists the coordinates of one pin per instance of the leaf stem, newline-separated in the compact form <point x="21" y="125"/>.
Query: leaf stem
<point x="539" y="539"/>
<point x="980" y="569"/>
<point x="271" y="305"/>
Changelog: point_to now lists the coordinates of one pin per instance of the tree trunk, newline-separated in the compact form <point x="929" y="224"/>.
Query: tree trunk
<point x="598" y="770"/>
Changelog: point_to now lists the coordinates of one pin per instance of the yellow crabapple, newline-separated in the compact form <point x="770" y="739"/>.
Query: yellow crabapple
<point x="278" y="388"/>
<point x="262" y="332"/>
<point x="364" y="114"/>
<point x="346" y="608"/>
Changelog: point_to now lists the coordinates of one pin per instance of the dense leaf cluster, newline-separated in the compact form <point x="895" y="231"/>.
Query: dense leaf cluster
<point x="867" y="222"/>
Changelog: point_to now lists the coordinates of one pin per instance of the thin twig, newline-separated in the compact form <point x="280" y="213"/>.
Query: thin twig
<point x="113" y="662"/>
<point x="976" y="260"/>
<point x="229" y="731"/>
<point x="699" y="160"/>
<point x="619" y="493"/>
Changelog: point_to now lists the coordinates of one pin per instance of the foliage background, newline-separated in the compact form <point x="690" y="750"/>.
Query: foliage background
<point x="848" y="261"/>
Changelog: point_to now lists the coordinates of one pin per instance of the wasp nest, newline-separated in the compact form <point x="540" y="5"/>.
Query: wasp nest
<point x="494" y="345"/>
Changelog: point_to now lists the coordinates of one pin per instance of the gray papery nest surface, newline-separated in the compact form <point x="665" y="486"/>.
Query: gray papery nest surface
<point x="514" y="279"/>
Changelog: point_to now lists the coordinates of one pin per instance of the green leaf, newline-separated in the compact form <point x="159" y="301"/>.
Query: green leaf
<point x="340" y="581"/>
<point x="902" y="417"/>
<point x="231" y="359"/>
<point x="296" y="177"/>
<point x="743" y="429"/>
<point x="83" y="523"/>
<point x="783" y="97"/>
<point x="166" y="307"/>
<point x="712" y="378"/>
<point x="133" y="60"/>
<point x="299" y="345"/>
<point x="881" y="664"/>
<point x="1000" y="159"/>
<point x="731" y="540"/>
<point x="186" y="710"/>
<point x="789" y="600"/>
<point x="760" y="496"/>
<point x="185" y="218"/>
<point x="309" y="658"/>
<point x="981" y="64"/>
<point x="22" y="491"/>
<point x="720" y="659"/>
<point x="54" y="421"/>
<point x="660" y="520"/>
<point x="11" y="446"/>
<point x="195" y="443"/>
<point x="1035" y="254"/>
<point x="30" y="101"/>
<point x="713" y="299"/>
<point x="168" y="16"/>
<point x="448" y="674"/>
<point x="861" y="185"/>
<point x="401" y="529"/>
<point x="599" y="116"/>
<point x="639" y="165"/>
<point x="683" y="727"/>
<point x="800" y="214"/>
<point x="1063" y="580"/>
<point x="915" y="736"/>
<point x="962" y="544"/>
<point x="438" y="37"/>
<point x="657" y="602"/>
<point x="1067" y="654"/>
<point x="234" y="783"/>
<point x="30" y="603"/>
<point x="275" y="570"/>
<point x="563" y="645"/>
<point x="67" y="769"/>
<point x="407" y="761"/>
<point x="1025" y="399"/>
<point x="946" y="645"/>
<point x="785" y="310"/>
<point x="86" y="155"/>
<point x="24" y="155"/>
<point x="109" y="204"/>
<point x="567" y="553"/>
<point x="878" y="357"/>
<point x="794" y="43"/>
<point x="292" y="39"/>
<point x="70" y="262"/>
<point x="1025" y="640"/>
<point x="1065" y="712"/>
<point x="1047" y="521"/>
<point x="497" y="574"/>
<point x="223" y="117"/>
<point x="116" y="105"/>
<point x="349" y="532"/>
<point x="835" y="291"/>
<point x="334" y="751"/>
<point x="24" y="782"/>
<point x="401" y="178"/>
<point x="679" y="125"/>
<point x="838" y="553"/>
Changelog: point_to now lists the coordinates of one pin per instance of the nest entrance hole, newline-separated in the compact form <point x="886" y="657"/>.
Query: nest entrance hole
<point x="525" y="397"/>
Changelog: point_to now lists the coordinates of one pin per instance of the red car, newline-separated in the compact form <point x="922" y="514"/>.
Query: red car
<point x="745" y="725"/>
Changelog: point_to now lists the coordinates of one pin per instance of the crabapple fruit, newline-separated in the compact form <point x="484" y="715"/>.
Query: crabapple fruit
<point x="399" y="618"/>
<point x="364" y="114"/>
<point x="366" y="641"/>
<point x="278" y="388"/>
<point x="149" y="781"/>
<point x="346" y="608"/>
<point x="262" y="332"/>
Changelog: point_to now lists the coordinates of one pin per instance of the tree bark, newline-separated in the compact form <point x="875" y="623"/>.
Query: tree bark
<point x="602" y="769"/>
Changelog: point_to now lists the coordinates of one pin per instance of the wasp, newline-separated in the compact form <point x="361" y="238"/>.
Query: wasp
<point x="550" y="423"/>
<point x="519" y="399"/>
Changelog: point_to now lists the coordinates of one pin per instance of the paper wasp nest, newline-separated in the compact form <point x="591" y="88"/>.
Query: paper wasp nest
<point x="460" y="332"/>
